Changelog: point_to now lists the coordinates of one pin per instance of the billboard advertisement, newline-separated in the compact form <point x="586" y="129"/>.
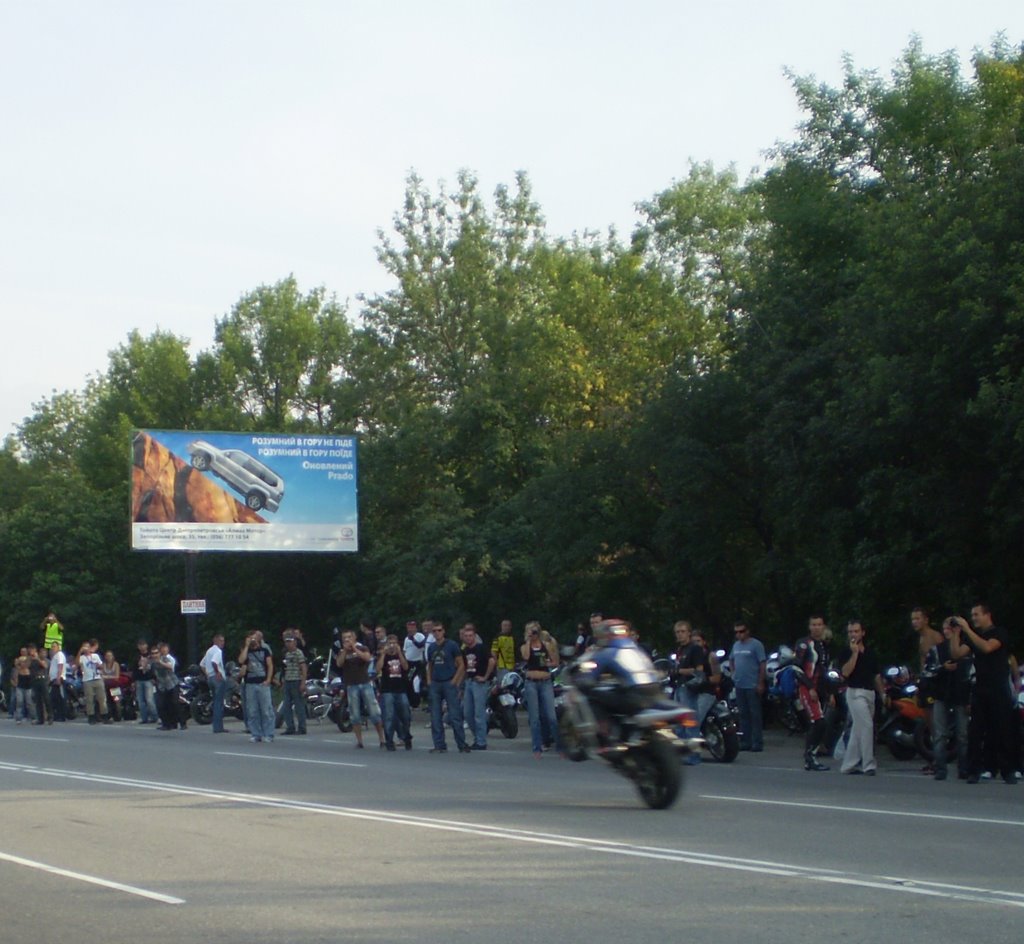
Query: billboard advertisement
<point x="210" y="491"/>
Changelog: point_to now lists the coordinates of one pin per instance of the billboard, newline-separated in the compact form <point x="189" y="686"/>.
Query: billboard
<point x="210" y="491"/>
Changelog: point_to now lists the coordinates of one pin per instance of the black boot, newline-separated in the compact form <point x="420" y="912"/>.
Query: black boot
<point x="812" y="763"/>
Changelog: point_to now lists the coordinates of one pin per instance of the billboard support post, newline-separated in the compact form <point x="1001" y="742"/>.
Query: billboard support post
<point x="191" y="633"/>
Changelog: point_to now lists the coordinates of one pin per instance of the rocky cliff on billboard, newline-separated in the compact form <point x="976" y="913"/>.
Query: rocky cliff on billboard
<point x="166" y="489"/>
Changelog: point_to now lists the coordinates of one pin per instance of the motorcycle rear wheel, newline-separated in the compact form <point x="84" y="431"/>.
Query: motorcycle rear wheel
<point x="723" y="744"/>
<point x="658" y="775"/>
<point x="201" y="710"/>
<point x="508" y="723"/>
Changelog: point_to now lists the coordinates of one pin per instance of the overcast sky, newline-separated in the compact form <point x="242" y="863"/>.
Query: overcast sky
<point x="161" y="159"/>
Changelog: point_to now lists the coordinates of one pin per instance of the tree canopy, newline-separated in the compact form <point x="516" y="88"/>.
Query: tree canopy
<point x="801" y="391"/>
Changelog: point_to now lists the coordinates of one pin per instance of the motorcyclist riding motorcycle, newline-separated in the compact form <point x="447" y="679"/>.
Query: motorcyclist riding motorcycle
<point x="615" y="656"/>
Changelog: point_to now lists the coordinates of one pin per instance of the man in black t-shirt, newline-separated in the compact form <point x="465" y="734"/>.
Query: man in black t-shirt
<point x="393" y="675"/>
<point x="859" y="666"/>
<point x="479" y="662"/>
<point x="991" y="704"/>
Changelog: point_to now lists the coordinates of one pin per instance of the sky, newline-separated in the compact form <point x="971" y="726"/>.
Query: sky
<point x="161" y="159"/>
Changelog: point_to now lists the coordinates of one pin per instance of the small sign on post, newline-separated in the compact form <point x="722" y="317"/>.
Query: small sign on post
<point x="193" y="607"/>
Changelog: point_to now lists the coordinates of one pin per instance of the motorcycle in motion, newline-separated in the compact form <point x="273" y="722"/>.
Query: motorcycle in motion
<point x="621" y="717"/>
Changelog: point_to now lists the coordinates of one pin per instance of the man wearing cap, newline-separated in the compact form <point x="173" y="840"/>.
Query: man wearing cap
<point x="414" y="650"/>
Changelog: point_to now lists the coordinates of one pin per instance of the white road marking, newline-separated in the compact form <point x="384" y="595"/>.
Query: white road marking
<point x="290" y="760"/>
<point x="92" y="879"/>
<point x="903" y="814"/>
<point x="903" y="884"/>
<point x="35" y="737"/>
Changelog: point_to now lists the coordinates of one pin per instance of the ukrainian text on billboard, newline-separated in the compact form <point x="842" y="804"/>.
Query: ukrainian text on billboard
<point x="215" y="491"/>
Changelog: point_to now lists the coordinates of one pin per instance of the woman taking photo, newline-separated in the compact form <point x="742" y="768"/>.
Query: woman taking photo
<point x="540" y="653"/>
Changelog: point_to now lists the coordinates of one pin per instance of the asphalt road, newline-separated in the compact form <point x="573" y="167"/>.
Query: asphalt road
<point x="121" y="832"/>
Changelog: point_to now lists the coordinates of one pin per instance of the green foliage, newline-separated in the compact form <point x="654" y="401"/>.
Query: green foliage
<point x="804" y="391"/>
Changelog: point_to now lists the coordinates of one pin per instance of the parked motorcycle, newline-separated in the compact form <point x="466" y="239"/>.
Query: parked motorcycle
<point x="201" y="703"/>
<point x="782" y="702"/>
<point x="719" y="727"/>
<point x="317" y="699"/>
<point x="501" y="705"/>
<point x="121" y="697"/>
<point x="899" y="729"/>
<point x="642" y="746"/>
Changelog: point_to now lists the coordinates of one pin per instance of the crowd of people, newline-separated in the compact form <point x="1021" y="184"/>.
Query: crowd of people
<point x="967" y="671"/>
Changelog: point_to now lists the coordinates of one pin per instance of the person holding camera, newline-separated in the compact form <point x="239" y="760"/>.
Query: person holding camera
<point x="354" y="660"/>
<point x="540" y="653"/>
<point x="989" y="728"/>
<point x="257" y="667"/>
<point x="949" y="684"/>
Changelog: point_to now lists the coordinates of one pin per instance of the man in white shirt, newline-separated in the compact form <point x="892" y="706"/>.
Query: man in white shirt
<point x="415" y="651"/>
<point x="58" y="675"/>
<point x="213" y="665"/>
<point x="90" y="664"/>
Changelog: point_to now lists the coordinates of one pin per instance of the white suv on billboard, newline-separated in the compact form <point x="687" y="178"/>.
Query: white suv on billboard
<point x="262" y="487"/>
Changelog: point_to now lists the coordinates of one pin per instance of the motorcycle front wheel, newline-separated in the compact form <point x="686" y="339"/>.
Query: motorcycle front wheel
<point x="722" y="743"/>
<point x="658" y="775"/>
<point x="571" y="741"/>
<point x="900" y="742"/>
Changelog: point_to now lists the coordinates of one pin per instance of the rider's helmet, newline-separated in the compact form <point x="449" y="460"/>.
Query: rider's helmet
<point x="610" y="629"/>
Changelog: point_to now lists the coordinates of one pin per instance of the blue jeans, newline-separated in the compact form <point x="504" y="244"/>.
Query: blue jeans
<point x="474" y="709"/>
<point x="948" y="719"/>
<point x="540" y="707"/>
<point x="445" y="692"/>
<point x="751" y="726"/>
<point x="218" y="689"/>
<point x="293" y="707"/>
<point x="145" y="695"/>
<point x="396" y="716"/>
<point x="259" y="711"/>
<point x="362" y="704"/>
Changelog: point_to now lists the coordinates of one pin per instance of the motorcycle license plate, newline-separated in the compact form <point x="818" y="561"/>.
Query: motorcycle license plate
<point x="115" y="693"/>
<point x="506" y="699"/>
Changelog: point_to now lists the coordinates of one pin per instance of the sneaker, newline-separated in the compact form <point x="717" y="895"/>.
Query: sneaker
<point x="812" y="763"/>
<point x="986" y="775"/>
<point x="465" y="749"/>
<point x="439" y="750"/>
<point x="973" y="778"/>
<point x="389" y="747"/>
<point x="254" y="739"/>
<point x="478" y="747"/>
<point x="269" y="739"/>
<point x="871" y="772"/>
<point x="408" y="744"/>
<point x="287" y="733"/>
<point x="1010" y="779"/>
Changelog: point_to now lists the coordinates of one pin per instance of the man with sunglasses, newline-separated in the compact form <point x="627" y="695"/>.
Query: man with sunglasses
<point x="747" y="661"/>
